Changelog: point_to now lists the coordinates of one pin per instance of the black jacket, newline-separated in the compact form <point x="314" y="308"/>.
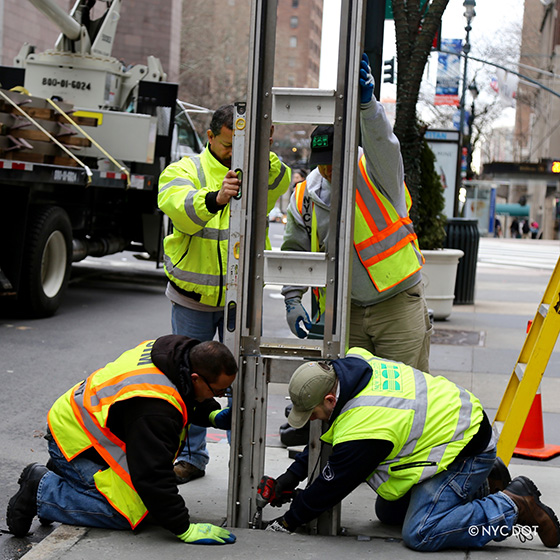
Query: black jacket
<point x="151" y="430"/>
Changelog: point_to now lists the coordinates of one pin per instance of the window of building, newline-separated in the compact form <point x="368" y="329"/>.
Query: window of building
<point x="295" y="3"/>
<point x="294" y="22"/>
<point x="293" y="42"/>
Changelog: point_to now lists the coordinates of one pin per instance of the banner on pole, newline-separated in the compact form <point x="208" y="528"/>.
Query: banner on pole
<point x="448" y="73"/>
<point x="505" y="85"/>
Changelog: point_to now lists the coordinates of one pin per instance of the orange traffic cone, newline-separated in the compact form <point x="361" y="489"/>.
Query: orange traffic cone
<point x="531" y="443"/>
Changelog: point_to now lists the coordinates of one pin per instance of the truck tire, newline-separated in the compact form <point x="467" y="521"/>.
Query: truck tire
<point x="48" y="260"/>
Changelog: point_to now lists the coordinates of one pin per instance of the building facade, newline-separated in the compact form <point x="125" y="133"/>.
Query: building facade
<point x="536" y="138"/>
<point x="298" y="43"/>
<point x="537" y="135"/>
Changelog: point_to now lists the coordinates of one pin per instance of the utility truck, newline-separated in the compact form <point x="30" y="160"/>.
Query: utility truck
<point x="83" y="140"/>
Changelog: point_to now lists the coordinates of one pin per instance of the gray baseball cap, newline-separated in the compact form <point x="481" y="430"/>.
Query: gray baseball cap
<point x="308" y="386"/>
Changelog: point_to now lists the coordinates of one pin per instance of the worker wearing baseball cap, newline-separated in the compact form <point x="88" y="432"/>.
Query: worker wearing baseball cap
<point x="388" y="312"/>
<point x="422" y="443"/>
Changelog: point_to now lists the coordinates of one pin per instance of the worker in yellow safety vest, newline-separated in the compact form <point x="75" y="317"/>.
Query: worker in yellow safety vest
<point x="388" y="314"/>
<point x="113" y="437"/>
<point x="422" y="443"/>
<point x="195" y="193"/>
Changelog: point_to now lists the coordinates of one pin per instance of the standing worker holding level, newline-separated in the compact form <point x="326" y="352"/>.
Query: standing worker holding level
<point x="388" y="316"/>
<point x="113" y="438"/>
<point x="424" y="444"/>
<point x="195" y="193"/>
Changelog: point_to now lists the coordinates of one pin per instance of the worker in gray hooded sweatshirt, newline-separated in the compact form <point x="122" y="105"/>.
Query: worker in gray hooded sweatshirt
<point x="389" y="315"/>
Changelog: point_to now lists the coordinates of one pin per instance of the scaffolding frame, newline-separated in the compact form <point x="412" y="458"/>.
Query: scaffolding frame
<point x="250" y="267"/>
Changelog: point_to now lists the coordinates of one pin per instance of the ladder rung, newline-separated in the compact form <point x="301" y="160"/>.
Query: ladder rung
<point x="289" y="347"/>
<point x="284" y="267"/>
<point x="520" y="392"/>
<point x="303" y="105"/>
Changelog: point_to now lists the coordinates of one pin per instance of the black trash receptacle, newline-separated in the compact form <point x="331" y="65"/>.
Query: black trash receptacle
<point x="462" y="233"/>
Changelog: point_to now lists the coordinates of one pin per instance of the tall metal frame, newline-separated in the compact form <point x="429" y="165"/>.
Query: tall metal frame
<point x="250" y="267"/>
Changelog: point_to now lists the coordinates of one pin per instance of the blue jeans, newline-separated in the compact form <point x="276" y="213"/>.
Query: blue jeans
<point x="443" y="512"/>
<point x="69" y="495"/>
<point x="202" y="325"/>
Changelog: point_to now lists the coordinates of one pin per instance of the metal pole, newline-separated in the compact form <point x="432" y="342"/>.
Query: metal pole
<point x="470" y="146"/>
<point x="466" y="50"/>
<point x="373" y="40"/>
<point x="469" y="14"/>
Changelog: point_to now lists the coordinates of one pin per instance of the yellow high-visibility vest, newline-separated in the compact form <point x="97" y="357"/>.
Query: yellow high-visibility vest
<point x="428" y="419"/>
<point x="78" y="421"/>
<point x="384" y="241"/>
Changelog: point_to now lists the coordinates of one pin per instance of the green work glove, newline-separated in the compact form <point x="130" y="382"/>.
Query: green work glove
<point x="205" y="533"/>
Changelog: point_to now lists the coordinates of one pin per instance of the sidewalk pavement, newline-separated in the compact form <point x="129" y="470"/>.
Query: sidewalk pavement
<point x="476" y="347"/>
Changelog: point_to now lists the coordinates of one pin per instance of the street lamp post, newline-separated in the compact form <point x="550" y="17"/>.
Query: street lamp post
<point x="469" y="6"/>
<point x="473" y="90"/>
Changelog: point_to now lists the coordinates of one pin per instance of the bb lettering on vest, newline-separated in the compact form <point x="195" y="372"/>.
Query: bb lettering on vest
<point x="386" y="377"/>
<point x="146" y="356"/>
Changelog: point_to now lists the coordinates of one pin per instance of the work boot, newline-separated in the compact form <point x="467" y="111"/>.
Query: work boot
<point x="22" y="507"/>
<point x="531" y="511"/>
<point x="185" y="472"/>
<point x="499" y="477"/>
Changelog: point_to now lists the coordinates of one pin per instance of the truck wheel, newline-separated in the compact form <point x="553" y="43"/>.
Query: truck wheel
<point x="48" y="260"/>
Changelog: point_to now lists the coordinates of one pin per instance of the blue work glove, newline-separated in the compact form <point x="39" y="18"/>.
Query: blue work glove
<point x="221" y="419"/>
<point x="295" y="313"/>
<point x="205" y="533"/>
<point x="366" y="80"/>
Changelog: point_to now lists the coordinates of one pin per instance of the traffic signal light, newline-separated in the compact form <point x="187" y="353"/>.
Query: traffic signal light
<point x="389" y="71"/>
<point x="555" y="167"/>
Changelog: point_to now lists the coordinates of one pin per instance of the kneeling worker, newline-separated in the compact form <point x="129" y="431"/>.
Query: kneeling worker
<point x="113" y="439"/>
<point x="424" y="444"/>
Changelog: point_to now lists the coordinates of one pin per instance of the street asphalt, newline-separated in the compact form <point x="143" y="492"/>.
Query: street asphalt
<point x="477" y="347"/>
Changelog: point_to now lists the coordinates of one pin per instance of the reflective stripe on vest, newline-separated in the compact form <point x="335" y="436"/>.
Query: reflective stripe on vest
<point x="319" y="294"/>
<point x="189" y="199"/>
<point x="417" y="459"/>
<point x="200" y="280"/>
<point x="387" y="233"/>
<point x="92" y="411"/>
<point x="384" y="241"/>
<point x="84" y="410"/>
<point x="278" y="179"/>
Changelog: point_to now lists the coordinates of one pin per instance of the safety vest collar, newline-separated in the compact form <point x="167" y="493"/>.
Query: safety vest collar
<point x="199" y="279"/>
<point x="210" y="166"/>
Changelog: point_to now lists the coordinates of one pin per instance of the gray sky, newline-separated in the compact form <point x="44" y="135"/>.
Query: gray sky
<point x="488" y="14"/>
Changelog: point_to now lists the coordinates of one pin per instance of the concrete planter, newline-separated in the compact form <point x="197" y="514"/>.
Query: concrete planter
<point x="439" y="274"/>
